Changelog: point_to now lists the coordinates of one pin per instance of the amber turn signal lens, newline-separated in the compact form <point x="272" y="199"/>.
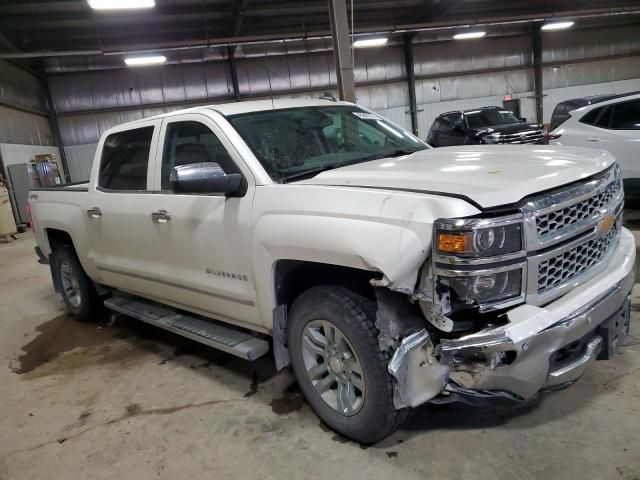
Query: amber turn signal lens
<point x="454" y="243"/>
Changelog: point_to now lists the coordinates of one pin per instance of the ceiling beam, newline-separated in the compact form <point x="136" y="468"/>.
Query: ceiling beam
<point x="191" y="43"/>
<point x="238" y="17"/>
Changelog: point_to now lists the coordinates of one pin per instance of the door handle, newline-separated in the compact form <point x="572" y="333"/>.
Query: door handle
<point x="94" y="212"/>
<point x="161" y="216"/>
<point x="593" y="139"/>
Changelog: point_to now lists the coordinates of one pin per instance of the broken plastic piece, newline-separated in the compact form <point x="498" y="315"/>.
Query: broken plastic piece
<point x="419" y="376"/>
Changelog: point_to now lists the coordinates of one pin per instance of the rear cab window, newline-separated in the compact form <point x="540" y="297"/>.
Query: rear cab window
<point x="124" y="162"/>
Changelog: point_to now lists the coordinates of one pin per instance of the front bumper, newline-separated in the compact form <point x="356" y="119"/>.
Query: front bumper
<point x="547" y="347"/>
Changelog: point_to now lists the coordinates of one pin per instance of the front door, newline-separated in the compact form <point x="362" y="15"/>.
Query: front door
<point x="203" y="246"/>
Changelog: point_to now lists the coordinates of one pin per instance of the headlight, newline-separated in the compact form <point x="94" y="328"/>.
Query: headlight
<point x="469" y="240"/>
<point x="484" y="288"/>
<point x="478" y="265"/>
<point x="492" y="138"/>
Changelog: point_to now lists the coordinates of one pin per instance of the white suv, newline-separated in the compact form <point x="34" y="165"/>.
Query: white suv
<point x="612" y="125"/>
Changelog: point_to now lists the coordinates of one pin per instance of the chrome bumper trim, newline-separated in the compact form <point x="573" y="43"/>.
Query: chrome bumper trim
<point x="530" y="371"/>
<point x="575" y="369"/>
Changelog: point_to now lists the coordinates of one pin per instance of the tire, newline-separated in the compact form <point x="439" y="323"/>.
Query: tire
<point x="366" y="413"/>
<point x="77" y="289"/>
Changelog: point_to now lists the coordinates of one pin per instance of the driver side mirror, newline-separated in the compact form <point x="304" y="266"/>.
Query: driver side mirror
<point x="206" y="177"/>
<point x="523" y="120"/>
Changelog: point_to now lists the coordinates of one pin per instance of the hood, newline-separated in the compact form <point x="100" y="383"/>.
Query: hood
<point x="489" y="175"/>
<point x="510" y="128"/>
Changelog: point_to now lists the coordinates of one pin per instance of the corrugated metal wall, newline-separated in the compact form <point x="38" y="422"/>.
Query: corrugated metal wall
<point x="21" y="89"/>
<point x="450" y="75"/>
<point x="80" y="160"/>
<point x="21" y="127"/>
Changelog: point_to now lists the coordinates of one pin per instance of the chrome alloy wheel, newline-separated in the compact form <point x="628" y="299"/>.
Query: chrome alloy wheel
<point x="333" y="367"/>
<point x="70" y="285"/>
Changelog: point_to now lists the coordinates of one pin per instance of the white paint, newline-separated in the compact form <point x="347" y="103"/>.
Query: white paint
<point x="329" y="219"/>
<point x="624" y="145"/>
<point x="490" y="175"/>
<point x="553" y="96"/>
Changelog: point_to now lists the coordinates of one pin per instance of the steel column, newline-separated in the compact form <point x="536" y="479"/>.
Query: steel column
<point x="537" y="69"/>
<point x="55" y="127"/>
<point x="342" y="50"/>
<point x="234" y="72"/>
<point x="411" y="81"/>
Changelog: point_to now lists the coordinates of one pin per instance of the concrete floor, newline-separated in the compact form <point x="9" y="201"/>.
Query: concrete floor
<point x="93" y="401"/>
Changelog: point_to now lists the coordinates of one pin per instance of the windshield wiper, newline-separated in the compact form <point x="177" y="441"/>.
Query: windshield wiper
<point x="394" y="153"/>
<point x="312" y="172"/>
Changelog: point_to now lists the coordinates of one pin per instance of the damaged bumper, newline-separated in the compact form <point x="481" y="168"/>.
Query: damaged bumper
<point x="539" y="348"/>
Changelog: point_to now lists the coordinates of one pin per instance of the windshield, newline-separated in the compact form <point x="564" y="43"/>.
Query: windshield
<point x="292" y="142"/>
<point x="489" y="118"/>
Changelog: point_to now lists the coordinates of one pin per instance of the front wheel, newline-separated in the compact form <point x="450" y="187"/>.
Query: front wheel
<point x="77" y="290"/>
<point x="338" y="364"/>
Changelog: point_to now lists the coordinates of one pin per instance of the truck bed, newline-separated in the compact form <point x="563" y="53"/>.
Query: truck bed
<point x="76" y="186"/>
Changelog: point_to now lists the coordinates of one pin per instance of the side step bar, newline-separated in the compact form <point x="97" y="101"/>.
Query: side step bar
<point x="226" y="338"/>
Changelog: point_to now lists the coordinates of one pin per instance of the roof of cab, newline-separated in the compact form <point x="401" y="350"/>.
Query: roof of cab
<point x="235" y="108"/>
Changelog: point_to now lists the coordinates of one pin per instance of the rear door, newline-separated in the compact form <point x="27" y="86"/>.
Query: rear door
<point x="119" y="207"/>
<point x="454" y="133"/>
<point x="203" y="248"/>
<point x="443" y="131"/>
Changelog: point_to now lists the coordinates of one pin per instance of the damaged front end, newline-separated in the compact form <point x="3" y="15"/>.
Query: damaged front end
<point x="500" y="311"/>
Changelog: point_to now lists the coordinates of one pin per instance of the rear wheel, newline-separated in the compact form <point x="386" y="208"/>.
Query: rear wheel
<point x="77" y="290"/>
<point x="339" y="366"/>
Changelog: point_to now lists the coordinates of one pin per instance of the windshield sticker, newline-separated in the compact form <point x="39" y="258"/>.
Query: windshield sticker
<point x="366" y="115"/>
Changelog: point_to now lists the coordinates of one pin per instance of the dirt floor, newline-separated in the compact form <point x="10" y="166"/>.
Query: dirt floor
<point x="124" y="400"/>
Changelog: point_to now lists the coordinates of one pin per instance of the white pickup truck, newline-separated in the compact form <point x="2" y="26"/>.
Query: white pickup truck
<point x="386" y="273"/>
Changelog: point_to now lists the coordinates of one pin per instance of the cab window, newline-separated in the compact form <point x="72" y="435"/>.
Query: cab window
<point x="592" y="116"/>
<point x="626" y="116"/>
<point x="192" y="142"/>
<point x="125" y="159"/>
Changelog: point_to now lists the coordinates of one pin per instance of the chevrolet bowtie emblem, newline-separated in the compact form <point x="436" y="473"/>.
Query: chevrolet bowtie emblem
<point x="606" y="223"/>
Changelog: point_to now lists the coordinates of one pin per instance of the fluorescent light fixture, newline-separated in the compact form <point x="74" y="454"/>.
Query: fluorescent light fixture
<point x="557" y="25"/>
<point x="469" y="35"/>
<point x="370" y="42"/>
<point x="120" y="4"/>
<point x="142" y="61"/>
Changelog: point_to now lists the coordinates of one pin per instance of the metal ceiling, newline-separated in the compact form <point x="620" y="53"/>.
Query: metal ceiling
<point x="57" y="28"/>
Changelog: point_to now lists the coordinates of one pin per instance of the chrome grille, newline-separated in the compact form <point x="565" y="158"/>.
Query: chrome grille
<point x="583" y="210"/>
<point x="571" y="263"/>
<point x="531" y="136"/>
<point x="563" y="237"/>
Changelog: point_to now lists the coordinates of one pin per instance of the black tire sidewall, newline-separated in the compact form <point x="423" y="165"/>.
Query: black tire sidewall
<point x="376" y="418"/>
<point x="87" y="294"/>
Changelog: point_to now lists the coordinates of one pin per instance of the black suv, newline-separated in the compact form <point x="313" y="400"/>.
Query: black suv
<point x="483" y="125"/>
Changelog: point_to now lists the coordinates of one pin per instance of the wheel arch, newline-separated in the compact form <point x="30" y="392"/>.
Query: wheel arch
<point x="58" y="238"/>
<point x="291" y="278"/>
